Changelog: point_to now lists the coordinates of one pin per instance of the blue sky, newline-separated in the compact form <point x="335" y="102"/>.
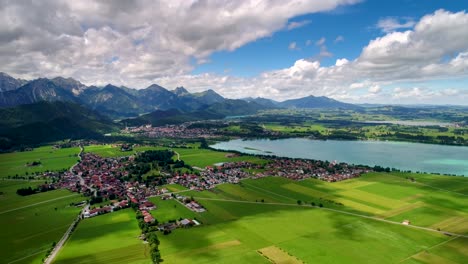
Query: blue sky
<point x="369" y="51"/>
<point x="357" y="24"/>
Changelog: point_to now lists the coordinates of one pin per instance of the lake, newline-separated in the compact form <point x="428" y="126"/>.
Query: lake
<point x="400" y="155"/>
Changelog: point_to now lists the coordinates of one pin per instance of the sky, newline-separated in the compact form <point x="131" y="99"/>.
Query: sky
<point x="357" y="51"/>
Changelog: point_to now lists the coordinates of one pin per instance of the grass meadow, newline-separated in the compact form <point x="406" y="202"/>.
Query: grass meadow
<point x="15" y="163"/>
<point x="109" y="238"/>
<point x="30" y="224"/>
<point x="238" y="225"/>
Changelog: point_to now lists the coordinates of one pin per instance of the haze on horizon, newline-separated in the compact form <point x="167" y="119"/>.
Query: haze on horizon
<point x="402" y="52"/>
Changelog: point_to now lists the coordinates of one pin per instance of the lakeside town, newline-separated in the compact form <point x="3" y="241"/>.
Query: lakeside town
<point x="106" y="179"/>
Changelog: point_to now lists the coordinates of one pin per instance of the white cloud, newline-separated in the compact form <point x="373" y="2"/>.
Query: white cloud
<point x="321" y="41"/>
<point x="151" y="39"/>
<point x="338" y="39"/>
<point x="390" y="24"/>
<point x="418" y="55"/>
<point x="297" y="24"/>
<point x="293" y="46"/>
<point x="136" y="43"/>
<point x="341" y="62"/>
<point x="375" y="89"/>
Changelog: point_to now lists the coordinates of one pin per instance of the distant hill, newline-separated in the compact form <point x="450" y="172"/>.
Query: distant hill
<point x="209" y="97"/>
<point x="230" y="107"/>
<point x="170" y="117"/>
<point x="214" y="111"/>
<point x="316" y="102"/>
<point x="263" y="101"/>
<point x="50" y="121"/>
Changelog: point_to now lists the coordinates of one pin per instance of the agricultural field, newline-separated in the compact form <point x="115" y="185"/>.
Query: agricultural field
<point x="206" y="157"/>
<point x="272" y="218"/>
<point x="170" y="210"/>
<point x="30" y="224"/>
<point x="192" y="156"/>
<point x="114" y="150"/>
<point x="16" y="163"/>
<point x="109" y="238"/>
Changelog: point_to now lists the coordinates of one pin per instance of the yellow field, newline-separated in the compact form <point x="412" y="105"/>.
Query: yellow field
<point x="278" y="256"/>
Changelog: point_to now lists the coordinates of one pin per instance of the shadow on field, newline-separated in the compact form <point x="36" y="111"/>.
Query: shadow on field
<point x="79" y="259"/>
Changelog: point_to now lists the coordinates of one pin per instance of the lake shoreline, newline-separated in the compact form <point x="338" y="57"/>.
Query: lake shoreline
<point x="401" y="155"/>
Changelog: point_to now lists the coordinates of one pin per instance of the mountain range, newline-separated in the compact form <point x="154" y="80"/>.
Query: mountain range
<point x="122" y="102"/>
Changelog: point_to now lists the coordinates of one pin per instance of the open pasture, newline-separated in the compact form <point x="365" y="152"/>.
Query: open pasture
<point x="115" y="151"/>
<point x="16" y="163"/>
<point x="206" y="157"/>
<point x="109" y="238"/>
<point x="237" y="223"/>
<point x="30" y="224"/>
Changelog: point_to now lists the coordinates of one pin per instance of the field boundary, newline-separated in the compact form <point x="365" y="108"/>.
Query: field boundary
<point x="31" y="205"/>
<point x="341" y="212"/>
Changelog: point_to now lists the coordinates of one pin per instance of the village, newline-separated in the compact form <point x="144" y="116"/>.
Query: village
<point x="184" y="130"/>
<point x="104" y="180"/>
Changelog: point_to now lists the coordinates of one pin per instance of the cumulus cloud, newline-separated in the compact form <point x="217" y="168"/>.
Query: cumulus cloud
<point x="418" y="55"/>
<point x="297" y="24"/>
<point x="390" y="24"/>
<point x="135" y="42"/>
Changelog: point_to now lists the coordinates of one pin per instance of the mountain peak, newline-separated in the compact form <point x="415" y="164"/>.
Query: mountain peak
<point x="8" y="83"/>
<point x="155" y="87"/>
<point x="316" y="102"/>
<point x="181" y="91"/>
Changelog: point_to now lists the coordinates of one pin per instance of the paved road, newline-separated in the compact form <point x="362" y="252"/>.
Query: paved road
<point x="82" y="182"/>
<point x="65" y="237"/>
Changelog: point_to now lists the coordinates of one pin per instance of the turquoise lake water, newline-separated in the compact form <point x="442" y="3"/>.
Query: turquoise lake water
<point x="400" y="155"/>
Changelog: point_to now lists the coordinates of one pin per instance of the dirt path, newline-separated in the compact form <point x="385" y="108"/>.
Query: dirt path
<point x="178" y="156"/>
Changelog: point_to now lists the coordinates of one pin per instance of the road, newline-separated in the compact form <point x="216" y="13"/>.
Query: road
<point x="82" y="181"/>
<point x="65" y="237"/>
<point x="178" y="156"/>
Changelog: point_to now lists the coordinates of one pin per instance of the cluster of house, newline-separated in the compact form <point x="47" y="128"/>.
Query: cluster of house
<point x="102" y="174"/>
<point x="172" y="131"/>
<point x="295" y="169"/>
<point x="105" y="209"/>
<point x="299" y="169"/>
<point x="231" y="172"/>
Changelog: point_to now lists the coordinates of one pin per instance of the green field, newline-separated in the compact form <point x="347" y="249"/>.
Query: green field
<point x="110" y="238"/>
<point x="237" y="223"/>
<point x="114" y="150"/>
<point x="192" y="156"/>
<point x="170" y="210"/>
<point x="15" y="163"/>
<point x="206" y="157"/>
<point x="29" y="225"/>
